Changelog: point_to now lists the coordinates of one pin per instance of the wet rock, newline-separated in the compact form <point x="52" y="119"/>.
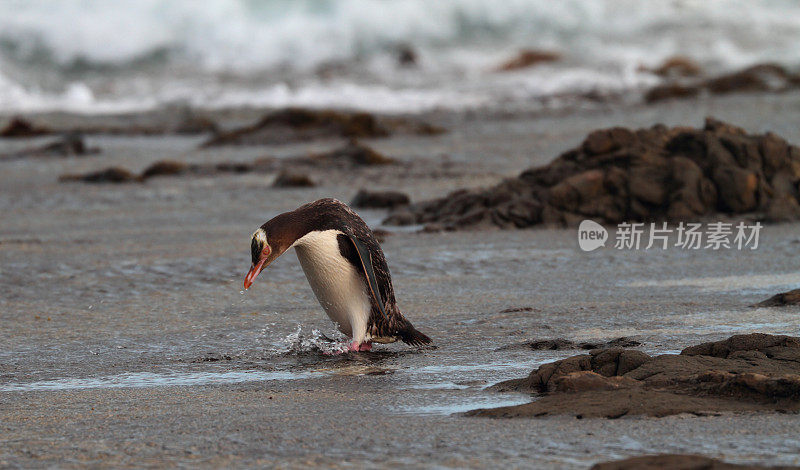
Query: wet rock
<point x="753" y="372"/>
<point x="297" y="124"/>
<point x="584" y="381"/>
<point x="762" y="77"/>
<point x="527" y="58"/>
<point x="68" y="145"/>
<point x="756" y="78"/>
<point x="676" y="66"/>
<point x="235" y="167"/>
<point x="657" y="174"/>
<point x="516" y="309"/>
<point x="671" y="91"/>
<point x="779" y="300"/>
<point x="406" y="56"/>
<point x="677" y="462"/>
<point x="565" y="344"/>
<point x="19" y="127"/>
<point x="108" y="175"/>
<point x="165" y="168"/>
<point x="352" y="154"/>
<point x="379" y="199"/>
<point x="749" y="342"/>
<point x="287" y="179"/>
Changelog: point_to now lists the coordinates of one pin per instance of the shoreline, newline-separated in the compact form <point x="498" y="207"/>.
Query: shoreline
<point x="110" y="281"/>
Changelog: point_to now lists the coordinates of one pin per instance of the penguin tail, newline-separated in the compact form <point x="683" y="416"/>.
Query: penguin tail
<point x="410" y="335"/>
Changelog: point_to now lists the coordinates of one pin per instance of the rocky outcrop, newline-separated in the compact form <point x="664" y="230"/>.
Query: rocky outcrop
<point x="780" y="300"/>
<point x="108" y="175"/>
<point x="678" y="462"/>
<point x="351" y="156"/>
<point x="527" y="58"/>
<point x="68" y="145"/>
<point x="19" y="127"/>
<point x="559" y="344"/>
<point x="288" y="179"/>
<point x="379" y="199"/>
<point x="297" y="124"/>
<point x="754" y="372"/>
<point x="619" y="174"/>
<point x="676" y="66"/>
<point x="756" y="78"/>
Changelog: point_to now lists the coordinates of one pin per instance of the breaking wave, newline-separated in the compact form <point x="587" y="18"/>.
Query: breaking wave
<point x="132" y="54"/>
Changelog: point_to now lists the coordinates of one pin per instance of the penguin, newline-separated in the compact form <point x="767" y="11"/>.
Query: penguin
<point x="344" y="265"/>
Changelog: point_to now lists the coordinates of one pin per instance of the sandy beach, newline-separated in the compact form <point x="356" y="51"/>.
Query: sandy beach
<point x="127" y="339"/>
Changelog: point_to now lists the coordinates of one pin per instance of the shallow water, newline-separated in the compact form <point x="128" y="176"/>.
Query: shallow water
<point x="123" y="323"/>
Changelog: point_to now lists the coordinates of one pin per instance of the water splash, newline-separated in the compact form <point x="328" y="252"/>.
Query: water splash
<point x="298" y="342"/>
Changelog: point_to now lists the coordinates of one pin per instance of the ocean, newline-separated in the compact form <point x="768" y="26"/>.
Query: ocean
<point x="94" y="56"/>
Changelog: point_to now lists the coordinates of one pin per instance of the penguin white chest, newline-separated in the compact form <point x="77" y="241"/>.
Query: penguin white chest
<point x="335" y="282"/>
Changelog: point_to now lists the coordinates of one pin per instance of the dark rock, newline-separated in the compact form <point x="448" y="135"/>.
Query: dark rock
<point x="406" y="56"/>
<point x="779" y="300"/>
<point x="379" y="199"/>
<point x="762" y="77"/>
<point x="676" y="66"/>
<point x="527" y="58"/>
<point x="754" y="372"/>
<point x="19" y="127"/>
<point x="756" y="78"/>
<point x="516" y="309"/>
<point x="678" y="462"/>
<point x="749" y="342"/>
<point x="671" y="91"/>
<point x="297" y="124"/>
<point x="648" y="175"/>
<point x="584" y="381"/>
<point x="288" y="179"/>
<point x="351" y="154"/>
<point x="235" y="167"/>
<point x="565" y="344"/>
<point x="165" y="168"/>
<point x="68" y="145"/>
<point x="108" y="175"/>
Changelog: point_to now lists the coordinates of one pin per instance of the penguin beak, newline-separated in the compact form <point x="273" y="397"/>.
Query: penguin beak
<point x="255" y="270"/>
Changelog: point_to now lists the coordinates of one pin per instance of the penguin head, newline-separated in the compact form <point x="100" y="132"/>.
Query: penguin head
<point x="263" y="253"/>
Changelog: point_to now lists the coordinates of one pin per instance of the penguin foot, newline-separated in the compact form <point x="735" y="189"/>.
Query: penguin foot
<point x="362" y="347"/>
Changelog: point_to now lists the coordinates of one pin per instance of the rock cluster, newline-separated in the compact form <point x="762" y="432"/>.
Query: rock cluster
<point x="19" y="127"/>
<point x="352" y="155"/>
<point x="679" y="462"/>
<point x="297" y="124"/>
<point x="618" y="174"/>
<point x="560" y="344"/>
<point x="183" y="121"/>
<point x="290" y="179"/>
<point x="756" y="78"/>
<point x="67" y="145"/>
<point x="780" y="300"/>
<point x="527" y="58"/>
<point x="754" y="372"/>
<point x="379" y="199"/>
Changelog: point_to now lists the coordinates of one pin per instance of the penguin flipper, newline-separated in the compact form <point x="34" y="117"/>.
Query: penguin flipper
<point x="366" y="264"/>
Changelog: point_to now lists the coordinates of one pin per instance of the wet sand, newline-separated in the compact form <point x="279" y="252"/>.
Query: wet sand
<point x="126" y="340"/>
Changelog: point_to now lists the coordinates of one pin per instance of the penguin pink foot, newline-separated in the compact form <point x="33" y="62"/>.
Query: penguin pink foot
<point x="363" y="347"/>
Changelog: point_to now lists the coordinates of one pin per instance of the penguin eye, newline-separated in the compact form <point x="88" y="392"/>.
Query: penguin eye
<point x="266" y="250"/>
